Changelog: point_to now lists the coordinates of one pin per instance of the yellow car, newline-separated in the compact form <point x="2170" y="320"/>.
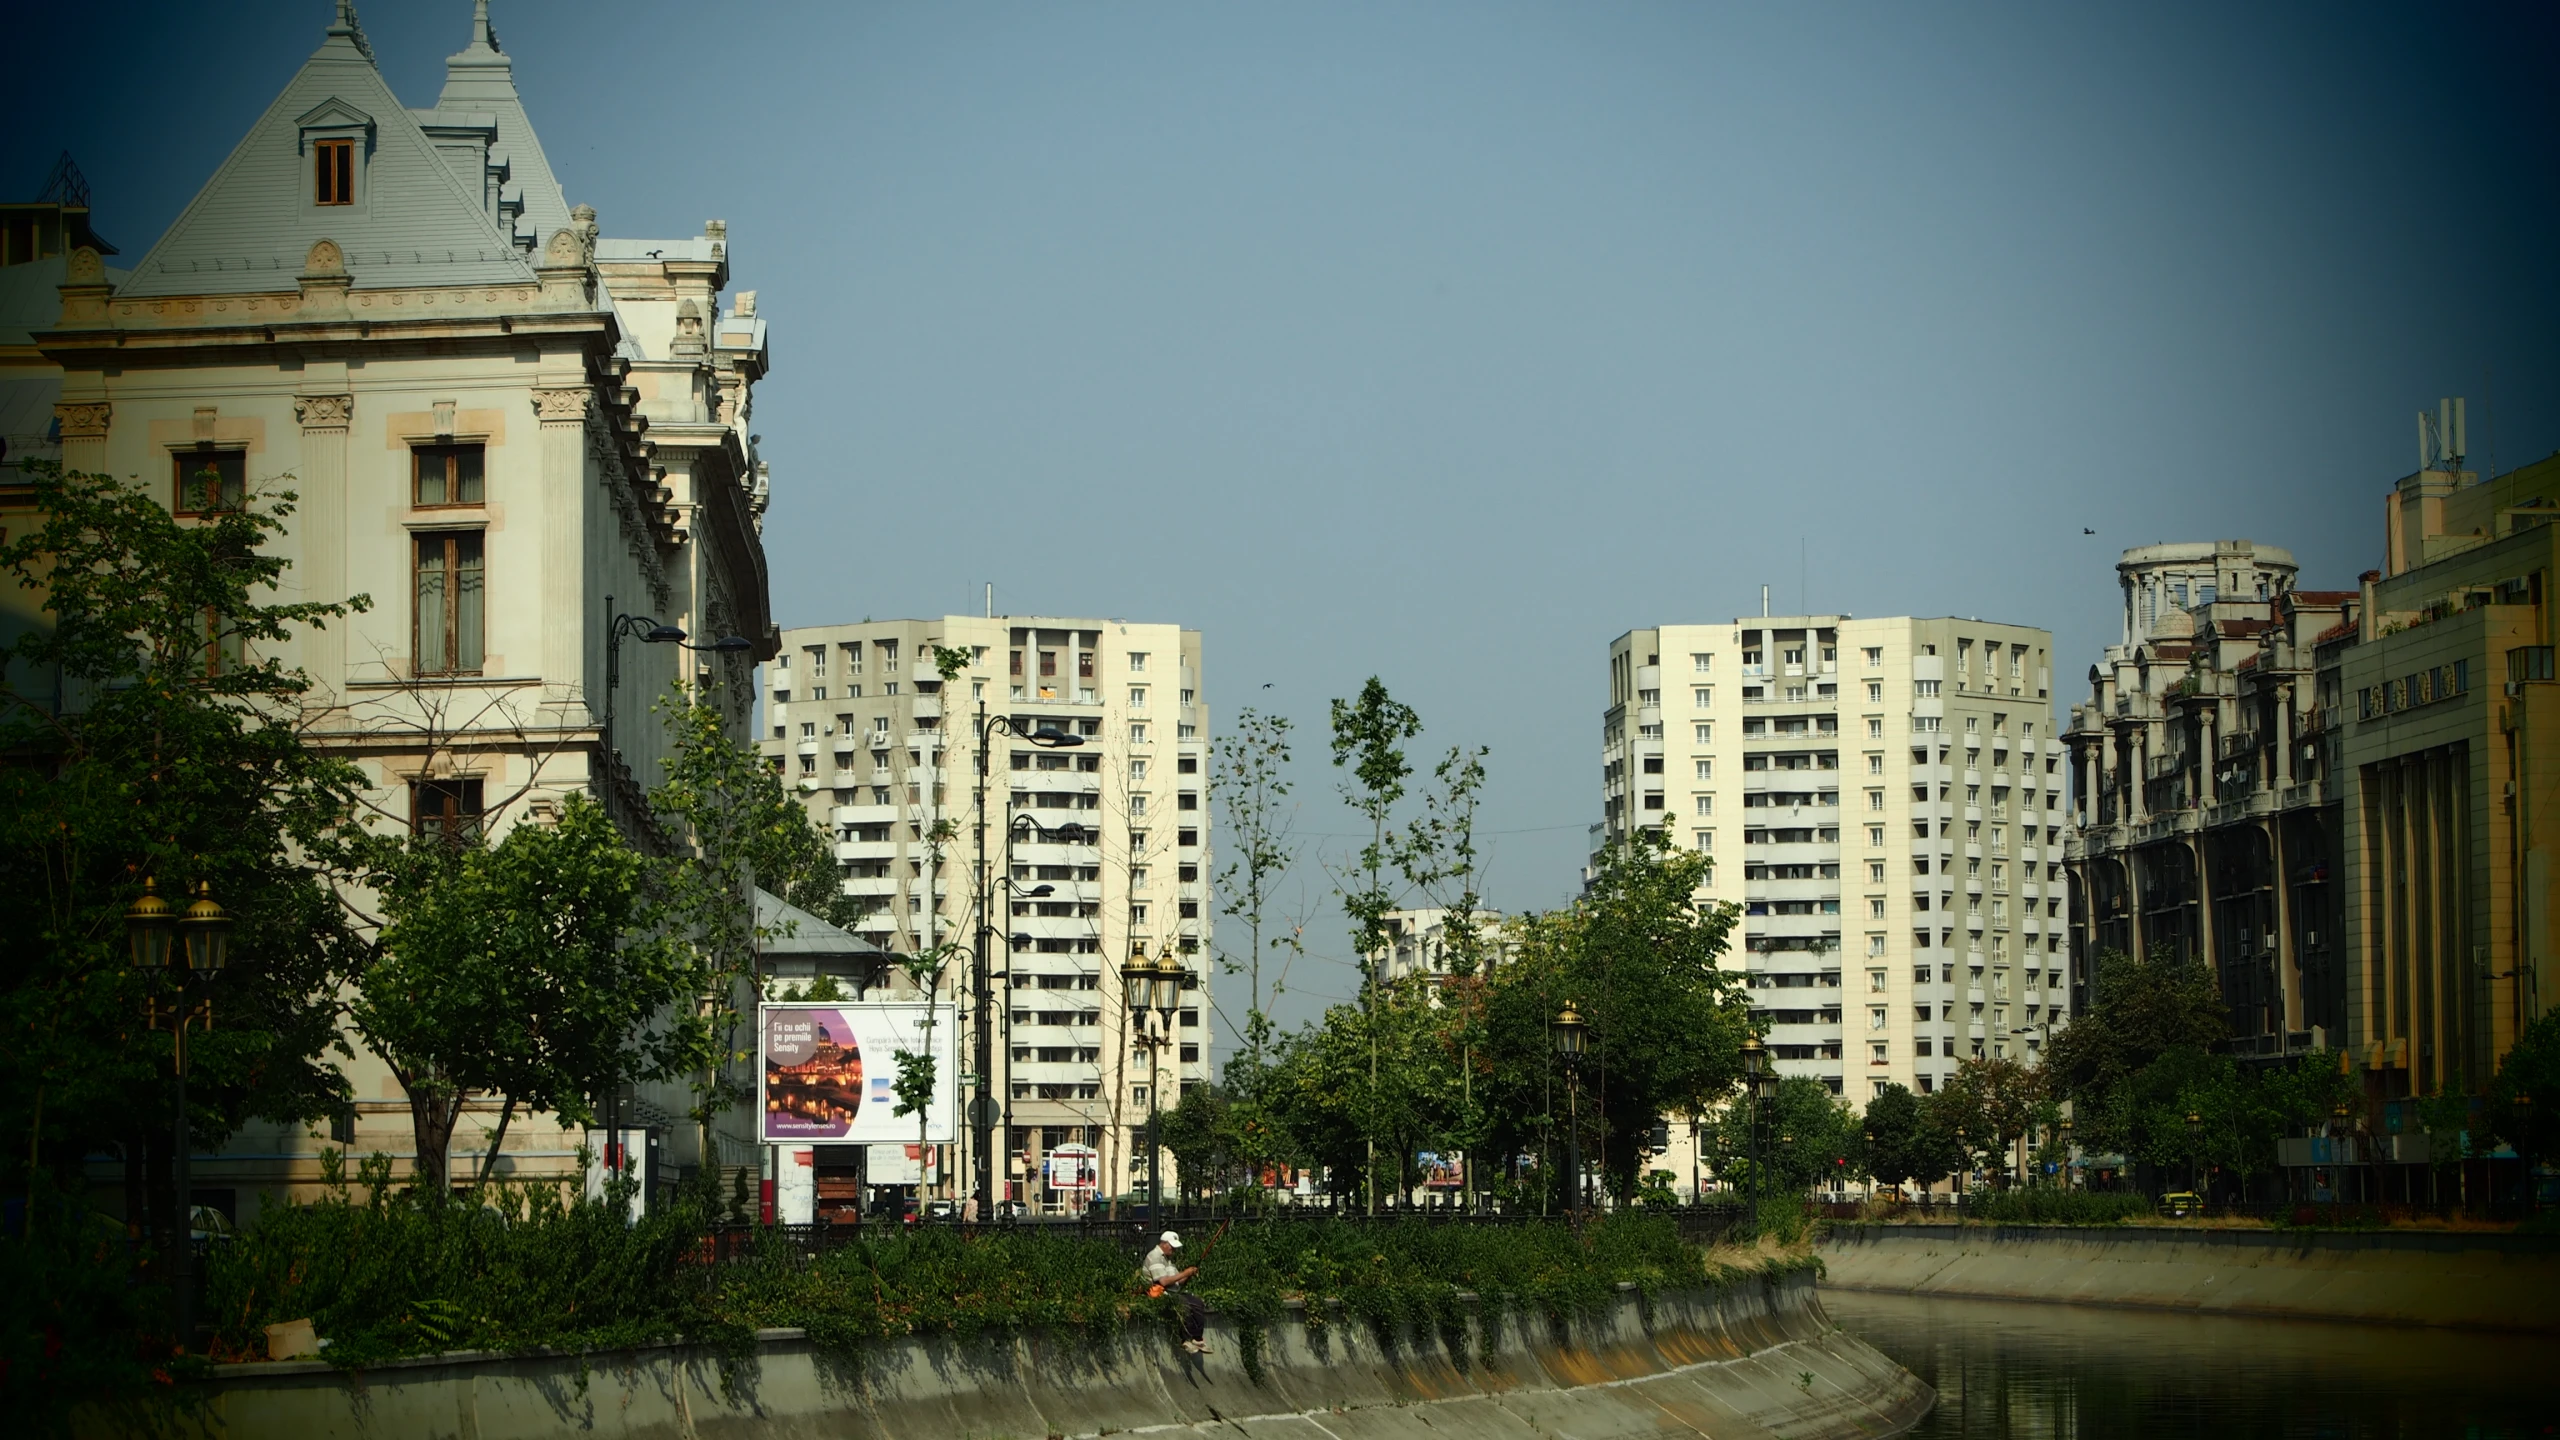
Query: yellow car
<point x="2179" y="1204"/>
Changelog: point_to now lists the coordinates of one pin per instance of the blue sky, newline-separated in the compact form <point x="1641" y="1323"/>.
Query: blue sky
<point x="1449" y="341"/>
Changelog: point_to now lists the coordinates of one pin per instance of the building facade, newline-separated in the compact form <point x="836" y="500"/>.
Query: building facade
<point x="1095" y="851"/>
<point x="2204" y="821"/>
<point x="1421" y="940"/>
<point x="2340" y="801"/>
<point x="395" y="312"/>
<point x="1881" y="800"/>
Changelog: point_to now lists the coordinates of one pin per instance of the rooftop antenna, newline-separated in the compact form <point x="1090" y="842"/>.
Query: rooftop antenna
<point x="2443" y="438"/>
<point x="1764" y="602"/>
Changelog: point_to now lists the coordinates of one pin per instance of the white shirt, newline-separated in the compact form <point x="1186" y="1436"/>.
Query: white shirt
<point x="1159" y="1266"/>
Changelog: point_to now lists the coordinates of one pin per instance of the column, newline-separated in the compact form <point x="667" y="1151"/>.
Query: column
<point x="84" y="434"/>
<point x="559" y="590"/>
<point x="323" y="535"/>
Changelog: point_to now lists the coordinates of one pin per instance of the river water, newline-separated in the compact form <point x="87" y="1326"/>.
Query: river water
<point x="2009" y="1369"/>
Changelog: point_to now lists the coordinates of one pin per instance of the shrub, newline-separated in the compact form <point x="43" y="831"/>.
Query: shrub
<point x="2054" y="1207"/>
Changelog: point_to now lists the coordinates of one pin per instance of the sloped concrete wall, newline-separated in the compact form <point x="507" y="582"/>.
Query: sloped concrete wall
<point x="2479" y="1280"/>
<point x="1754" y="1360"/>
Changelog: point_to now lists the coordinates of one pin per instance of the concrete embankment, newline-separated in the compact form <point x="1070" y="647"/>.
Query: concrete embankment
<point x="2473" y="1280"/>
<point x="1756" y="1359"/>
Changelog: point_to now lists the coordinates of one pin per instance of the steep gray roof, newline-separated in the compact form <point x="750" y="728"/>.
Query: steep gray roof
<point x="807" y="934"/>
<point x="416" y="223"/>
<point x="481" y="78"/>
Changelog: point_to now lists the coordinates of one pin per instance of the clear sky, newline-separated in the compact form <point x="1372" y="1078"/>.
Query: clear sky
<point x="1449" y="341"/>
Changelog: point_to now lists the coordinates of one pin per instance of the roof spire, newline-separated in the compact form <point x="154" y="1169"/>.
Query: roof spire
<point x="346" y="27"/>
<point x="482" y="37"/>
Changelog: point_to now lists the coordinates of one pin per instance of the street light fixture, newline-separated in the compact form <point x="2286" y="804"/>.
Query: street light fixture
<point x="985" y="1114"/>
<point x="1572" y="1034"/>
<point x="197" y="959"/>
<point x="2195" y="1133"/>
<point x="2066" y="1152"/>
<point x="651" y="631"/>
<point x="1153" y="986"/>
<point x="1755" y="1078"/>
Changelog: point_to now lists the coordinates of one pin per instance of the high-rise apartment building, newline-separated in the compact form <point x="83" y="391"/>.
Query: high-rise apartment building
<point x="1095" y="850"/>
<point x="1882" y="799"/>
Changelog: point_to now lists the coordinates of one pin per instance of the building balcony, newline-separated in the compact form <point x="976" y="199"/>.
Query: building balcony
<point x="861" y="885"/>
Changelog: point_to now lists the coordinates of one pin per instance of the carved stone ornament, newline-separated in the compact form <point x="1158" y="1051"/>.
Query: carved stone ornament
<point x="564" y="250"/>
<point x="325" y="259"/>
<point x="83" y="421"/>
<point x="323" y="411"/>
<point x="561" y="404"/>
<point x="84" y="267"/>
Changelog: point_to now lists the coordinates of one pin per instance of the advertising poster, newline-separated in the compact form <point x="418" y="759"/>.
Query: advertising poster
<point x="828" y="1072"/>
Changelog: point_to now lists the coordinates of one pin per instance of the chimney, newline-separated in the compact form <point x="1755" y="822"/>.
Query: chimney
<point x="2365" y="628"/>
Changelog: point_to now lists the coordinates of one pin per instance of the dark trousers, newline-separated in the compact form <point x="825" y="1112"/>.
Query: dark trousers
<point x="1195" y="1313"/>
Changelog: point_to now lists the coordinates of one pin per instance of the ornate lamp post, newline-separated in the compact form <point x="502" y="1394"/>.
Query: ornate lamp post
<point x="2195" y="1137"/>
<point x="2066" y="1152"/>
<point x="1153" y="985"/>
<point x="189" y="967"/>
<point x="653" y="632"/>
<point x="1760" y="1084"/>
<point x="1571" y="1033"/>
<point x="1871" y="1164"/>
<point x="985" y="1114"/>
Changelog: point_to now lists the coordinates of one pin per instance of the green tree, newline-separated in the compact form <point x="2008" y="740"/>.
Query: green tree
<point x="1638" y="955"/>
<point x="151" y="731"/>
<point x="1808" y="1137"/>
<point x="2140" y="1009"/>
<point x="1249" y="786"/>
<point x="2523" y="1107"/>
<point x="1994" y="1100"/>
<point x="1368" y="740"/>
<point x="1895" y="1146"/>
<point x="533" y="970"/>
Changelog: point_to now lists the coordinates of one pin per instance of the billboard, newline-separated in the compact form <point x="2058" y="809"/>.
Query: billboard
<point x="827" y="1072"/>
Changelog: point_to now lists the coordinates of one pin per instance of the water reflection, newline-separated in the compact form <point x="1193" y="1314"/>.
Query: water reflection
<point x="2008" y="1369"/>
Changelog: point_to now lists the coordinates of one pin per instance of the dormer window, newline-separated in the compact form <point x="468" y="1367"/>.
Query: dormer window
<point x="333" y="165"/>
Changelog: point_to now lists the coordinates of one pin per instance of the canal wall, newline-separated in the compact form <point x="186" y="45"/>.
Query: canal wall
<point x="2487" y="1281"/>
<point x="1756" y="1359"/>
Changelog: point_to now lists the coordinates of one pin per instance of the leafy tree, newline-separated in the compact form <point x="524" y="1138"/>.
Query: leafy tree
<point x="1638" y="956"/>
<point x="150" y="731"/>
<point x="533" y="970"/>
<point x="1368" y="740"/>
<point x="2140" y="1009"/>
<point x="1899" y="1146"/>
<point x="1248" y="784"/>
<point x="1807" y="1137"/>
<point x="2524" y="1100"/>
<point x="1994" y="1100"/>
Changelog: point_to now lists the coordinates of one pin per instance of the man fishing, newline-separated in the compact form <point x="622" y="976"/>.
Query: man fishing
<point x="1164" y="1276"/>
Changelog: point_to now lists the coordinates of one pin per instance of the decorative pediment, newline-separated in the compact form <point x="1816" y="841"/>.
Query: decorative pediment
<point x="334" y="114"/>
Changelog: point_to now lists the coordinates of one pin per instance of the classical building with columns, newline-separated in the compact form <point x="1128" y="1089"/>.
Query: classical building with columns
<point x="2341" y="801"/>
<point x="503" y="427"/>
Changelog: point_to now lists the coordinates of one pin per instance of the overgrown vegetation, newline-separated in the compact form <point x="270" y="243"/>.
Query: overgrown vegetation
<point x="383" y="1274"/>
<point x="2055" y="1207"/>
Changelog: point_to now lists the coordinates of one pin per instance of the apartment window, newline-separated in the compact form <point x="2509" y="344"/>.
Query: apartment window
<point x="1017" y="665"/>
<point x="451" y="475"/>
<point x="1137" y="912"/>
<point x="1703" y="696"/>
<point x="1706" y="769"/>
<point x="1705" y="733"/>
<point x="1137" y="770"/>
<point x="1138" y="732"/>
<point x="1186" y="838"/>
<point x="333" y="172"/>
<point x="1924" y="688"/>
<point x="1875" y="799"/>
<point x="1702" y="663"/>
<point x="1875" y="980"/>
<point x="1875" y="1017"/>
<point x="853" y="659"/>
<point x="1875" y="727"/>
<point x="1706" y="804"/>
<point x="1875" y="656"/>
<point x="1137" y="877"/>
<point x="1187" y="765"/>
<point x="1137" y="697"/>
<point x="209" y="480"/>
<point x="1706" y="841"/>
<point x="1084" y="664"/>
<point x="1875" y="908"/>
<point x="1185" y="730"/>
<point x="1875" y="692"/>
<point x="1875" y="763"/>
<point x="1875" y="836"/>
<point x="808" y="729"/>
<point x="445" y="810"/>
<point x="452" y="591"/>
<point x="1188" y="696"/>
<point x="1187" y="800"/>
<point x="1137" y="662"/>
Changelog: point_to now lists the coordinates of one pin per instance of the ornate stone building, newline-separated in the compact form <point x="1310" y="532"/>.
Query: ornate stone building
<point x="504" y="427"/>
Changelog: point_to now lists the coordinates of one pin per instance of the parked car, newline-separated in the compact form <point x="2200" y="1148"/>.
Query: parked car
<point x="941" y="1210"/>
<point x="2179" y="1204"/>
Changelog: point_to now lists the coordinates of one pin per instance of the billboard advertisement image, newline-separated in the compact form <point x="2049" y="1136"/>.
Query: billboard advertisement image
<point x="828" y="1072"/>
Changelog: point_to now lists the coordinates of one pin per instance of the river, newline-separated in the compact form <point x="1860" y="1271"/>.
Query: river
<point x="2069" y="1372"/>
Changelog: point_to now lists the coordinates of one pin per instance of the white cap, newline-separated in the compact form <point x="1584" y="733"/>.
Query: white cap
<point x="1170" y="1238"/>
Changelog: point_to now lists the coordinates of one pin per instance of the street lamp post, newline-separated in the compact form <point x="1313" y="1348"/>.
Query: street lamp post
<point x="984" y="1113"/>
<point x="204" y="933"/>
<point x="1571" y="1034"/>
<point x="1067" y="834"/>
<point x="2195" y="1137"/>
<point x="652" y="631"/>
<point x="1153" y="985"/>
<point x="2066" y="1152"/>
<point x="1755" y="1069"/>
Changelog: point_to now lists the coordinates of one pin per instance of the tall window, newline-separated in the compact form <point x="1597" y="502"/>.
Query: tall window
<point x="209" y="480"/>
<point x="452" y="598"/>
<point x="334" y="172"/>
<point x="447" y="810"/>
<point x="451" y="475"/>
